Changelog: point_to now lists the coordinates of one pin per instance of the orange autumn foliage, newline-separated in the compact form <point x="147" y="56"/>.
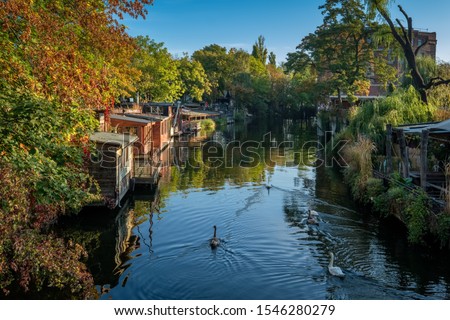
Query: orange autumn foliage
<point x="74" y="51"/>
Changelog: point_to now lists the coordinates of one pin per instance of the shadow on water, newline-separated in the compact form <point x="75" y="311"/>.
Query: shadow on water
<point x="111" y="237"/>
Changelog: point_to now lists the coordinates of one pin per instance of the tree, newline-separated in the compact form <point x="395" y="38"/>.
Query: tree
<point x="59" y="60"/>
<point x="404" y="36"/>
<point x="215" y="60"/>
<point x="74" y="51"/>
<point x="440" y="96"/>
<point x="160" y="77"/>
<point x="272" y="59"/>
<point x="43" y="177"/>
<point x="279" y="83"/>
<point x="343" y="48"/>
<point x="259" y="50"/>
<point x="194" y="79"/>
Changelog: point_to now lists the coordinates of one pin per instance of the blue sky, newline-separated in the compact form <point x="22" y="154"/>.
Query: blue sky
<point x="189" y="25"/>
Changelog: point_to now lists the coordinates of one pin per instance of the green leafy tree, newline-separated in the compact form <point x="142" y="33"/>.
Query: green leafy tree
<point x="259" y="50"/>
<point x="160" y="77"/>
<point x="440" y="96"/>
<point x="303" y="91"/>
<point x="215" y="60"/>
<point x="42" y="164"/>
<point x="343" y="49"/>
<point x="194" y="80"/>
<point x="272" y="59"/>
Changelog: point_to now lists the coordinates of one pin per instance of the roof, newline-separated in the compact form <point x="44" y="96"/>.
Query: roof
<point x="199" y="113"/>
<point x="127" y="117"/>
<point x="359" y="97"/>
<point x="119" y="139"/>
<point x="192" y="105"/>
<point x="159" y="104"/>
<point x="148" y="116"/>
<point x="442" y="127"/>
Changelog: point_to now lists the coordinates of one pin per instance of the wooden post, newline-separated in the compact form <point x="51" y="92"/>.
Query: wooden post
<point x="389" y="149"/>
<point x="424" y="158"/>
<point x="403" y="153"/>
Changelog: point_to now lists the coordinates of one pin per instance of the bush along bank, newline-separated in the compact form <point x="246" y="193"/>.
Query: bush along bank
<point x="394" y="196"/>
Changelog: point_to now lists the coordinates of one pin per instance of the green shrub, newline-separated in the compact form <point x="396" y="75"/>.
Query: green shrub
<point x="417" y="211"/>
<point x="208" y="125"/>
<point x="375" y="187"/>
<point x="239" y="116"/>
<point x="381" y="204"/>
<point x="443" y="229"/>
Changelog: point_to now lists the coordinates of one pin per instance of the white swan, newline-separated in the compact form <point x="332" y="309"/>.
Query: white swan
<point x="312" y="219"/>
<point x="313" y="213"/>
<point x="215" y="242"/>
<point x="334" y="271"/>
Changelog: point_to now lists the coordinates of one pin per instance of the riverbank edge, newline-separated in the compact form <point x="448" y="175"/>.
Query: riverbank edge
<point x="392" y="196"/>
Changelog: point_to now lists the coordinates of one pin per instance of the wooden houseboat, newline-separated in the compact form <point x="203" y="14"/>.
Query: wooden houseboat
<point x="154" y="136"/>
<point x="112" y="165"/>
<point x="142" y="128"/>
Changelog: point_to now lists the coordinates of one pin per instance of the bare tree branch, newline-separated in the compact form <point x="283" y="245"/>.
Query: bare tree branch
<point x="442" y="82"/>
<point x="408" y="18"/>
<point x="435" y="82"/>
<point x="405" y="35"/>
<point x="420" y="47"/>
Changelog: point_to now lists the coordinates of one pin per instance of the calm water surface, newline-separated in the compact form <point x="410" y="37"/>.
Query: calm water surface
<point x="158" y="245"/>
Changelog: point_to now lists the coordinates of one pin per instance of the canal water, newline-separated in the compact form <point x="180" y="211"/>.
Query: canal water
<point x="256" y="183"/>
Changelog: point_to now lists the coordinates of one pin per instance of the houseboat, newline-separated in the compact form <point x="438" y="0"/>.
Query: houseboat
<point x="112" y="165"/>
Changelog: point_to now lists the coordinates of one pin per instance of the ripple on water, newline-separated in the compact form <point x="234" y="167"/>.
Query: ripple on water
<point x="267" y="250"/>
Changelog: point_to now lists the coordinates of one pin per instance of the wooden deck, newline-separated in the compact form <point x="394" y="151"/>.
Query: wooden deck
<point x="146" y="171"/>
<point x="435" y="186"/>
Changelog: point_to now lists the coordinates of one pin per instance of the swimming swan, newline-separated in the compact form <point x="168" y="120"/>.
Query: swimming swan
<point x="215" y="242"/>
<point x="312" y="219"/>
<point x="313" y="213"/>
<point x="334" y="271"/>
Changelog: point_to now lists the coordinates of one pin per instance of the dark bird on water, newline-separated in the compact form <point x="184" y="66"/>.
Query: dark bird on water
<point x="215" y="242"/>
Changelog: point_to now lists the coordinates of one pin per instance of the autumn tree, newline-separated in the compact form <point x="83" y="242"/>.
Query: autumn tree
<point x="75" y="51"/>
<point x="404" y="35"/>
<point x="279" y="84"/>
<point x="59" y="60"/>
